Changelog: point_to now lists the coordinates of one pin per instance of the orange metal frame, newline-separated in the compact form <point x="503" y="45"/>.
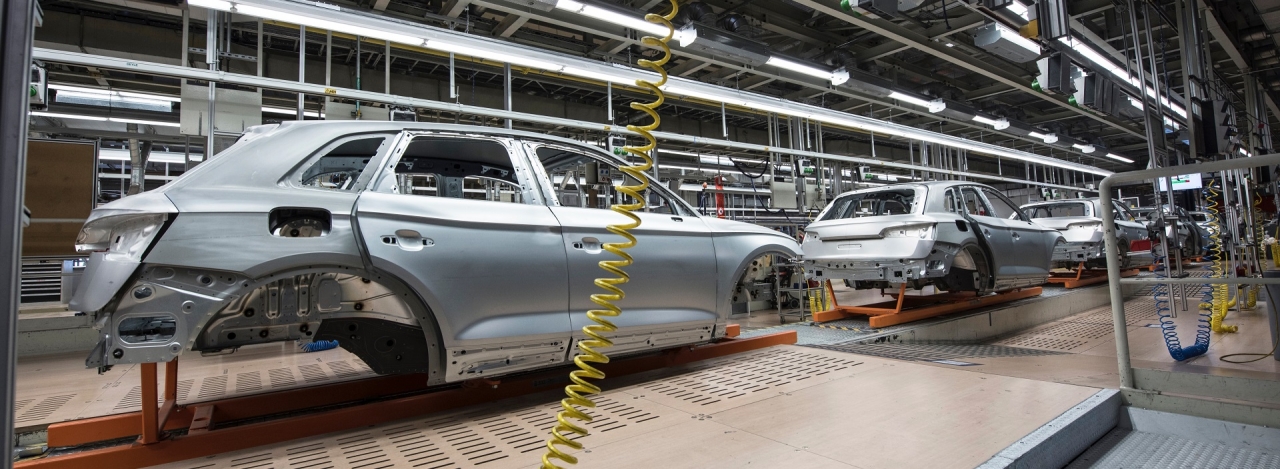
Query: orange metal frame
<point x="1085" y="277"/>
<point x="906" y="308"/>
<point x="359" y="403"/>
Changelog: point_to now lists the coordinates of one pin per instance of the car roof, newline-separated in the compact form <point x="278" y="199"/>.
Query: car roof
<point x="1060" y="201"/>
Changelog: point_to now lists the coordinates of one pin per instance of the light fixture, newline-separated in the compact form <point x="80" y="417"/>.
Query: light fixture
<point x="115" y="93"/>
<point x="1084" y="148"/>
<point x="143" y="122"/>
<point x="934" y="106"/>
<point x="998" y="124"/>
<point x="116" y="154"/>
<point x="684" y="36"/>
<point x="493" y="55"/>
<point x="308" y="21"/>
<point x="1048" y="138"/>
<point x="1118" y="157"/>
<point x="68" y="116"/>
<point x="1103" y="62"/>
<point x="121" y="120"/>
<point x="289" y="112"/>
<point x="1018" y="8"/>
<point x="787" y="64"/>
<point x="951" y="44"/>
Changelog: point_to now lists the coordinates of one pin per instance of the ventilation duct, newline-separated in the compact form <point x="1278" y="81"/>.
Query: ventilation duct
<point x="1253" y="34"/>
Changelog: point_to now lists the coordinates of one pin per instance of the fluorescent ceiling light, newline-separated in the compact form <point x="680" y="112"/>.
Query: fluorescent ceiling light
<point x="67" y="116"/>
<point x="936" y="105"/>
<point x="493" y="55"/>
<point x="787" y="64"/>
<point x="951" y="44"/>
<point x="115" y="93"/>
<point x="308" y="21"/>
<point x="143" y="122"/>
<point x="121" y="120"/>
<point x="998" y="124"/>
<point x="1018" y="8"/>
<point x="1048" y="138"/>
<point x="1106" y="64"/>
<point x="684" y="36"/>
<point x="1084" y="148"/>
<point x="288" y="112"/>
<point x="1118" y="157"/>
<point x="116" y="154"/>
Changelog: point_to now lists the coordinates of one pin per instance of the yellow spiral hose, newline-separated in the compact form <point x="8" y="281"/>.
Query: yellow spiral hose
<point x="581" y="388"/>
<point x="1220" y="265"/>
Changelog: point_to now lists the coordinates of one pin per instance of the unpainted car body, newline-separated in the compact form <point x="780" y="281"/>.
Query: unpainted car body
<point x="957" y="236"/>
<point x="1183" y="231"/>
<point x="457" y="251"/>
<point x="1080" y="222"/>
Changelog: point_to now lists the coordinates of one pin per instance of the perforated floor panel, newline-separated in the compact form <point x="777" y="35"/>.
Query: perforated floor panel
<point x="86" y="394"/>
<point x="926" y="352"/>
<point x="1124" y="449"/>
<point x="513" y="433"/>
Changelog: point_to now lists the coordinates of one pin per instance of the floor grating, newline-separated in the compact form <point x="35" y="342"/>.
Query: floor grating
<point x="511" y="434"/>
<point x="1125" y="449"/>
<point x="930" y="352"/>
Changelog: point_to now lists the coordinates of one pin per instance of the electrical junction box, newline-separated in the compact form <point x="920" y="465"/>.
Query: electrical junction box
<point x="882" y="8"/>
<point x="782" y="193"/>
<point x="1005" y="42"/>
<point x="616" y="144"/>
<point x="403" y="115"/>
<point x="39" y="99"/>
<point x="814" y="197"/>
<point x="806" y="167"/>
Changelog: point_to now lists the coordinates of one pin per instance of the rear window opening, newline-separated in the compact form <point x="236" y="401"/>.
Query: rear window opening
<point x="875" y="203"/>
<point x="1059" y="210"/>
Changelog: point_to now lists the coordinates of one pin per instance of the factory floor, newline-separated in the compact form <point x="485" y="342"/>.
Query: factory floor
<point x="822" y="405"/>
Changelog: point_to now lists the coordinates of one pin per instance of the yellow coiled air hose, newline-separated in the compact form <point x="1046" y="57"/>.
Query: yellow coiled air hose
<point x="578" y="391"/>
<point x="1220" y="264"/>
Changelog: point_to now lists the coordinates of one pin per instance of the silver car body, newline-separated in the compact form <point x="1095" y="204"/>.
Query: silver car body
<point x="1078" y="221"/>
<point x="955" y="235"/>
<point x="427" y="248"/>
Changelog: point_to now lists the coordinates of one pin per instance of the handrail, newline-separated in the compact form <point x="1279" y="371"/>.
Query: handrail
<point x="1113" y="254"/>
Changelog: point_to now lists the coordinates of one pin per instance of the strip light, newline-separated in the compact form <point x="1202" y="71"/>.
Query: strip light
<point x="837" y="77"/>
<point x="683" y="36"/>
<point x="1118" y="157"/>
<point x="1106" y="64"/>
<point x="934" y="106"/>
<point x="289" y="112"/>
<point x="1048" y="138"/>
<point x="120" y="120"/>
<point x="998" y="124"/>
<point x="308" y="21"/>
<point x="114" y="94"/>
<point x="1084" y="148"/>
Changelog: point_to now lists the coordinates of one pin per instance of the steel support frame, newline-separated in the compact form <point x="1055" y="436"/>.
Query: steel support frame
<point x="17" y="21"/>
<point x="153" y="68"/>
<point x="1150" y="389"/>
<point x="368" y="402"/>
<point x="907" y="308"/>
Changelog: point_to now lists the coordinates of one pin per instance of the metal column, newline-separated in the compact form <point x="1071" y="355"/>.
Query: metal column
<point x="302" y="70"/>
<point x="15" y="79"/>
<point x="211" y="57"/>
<point x="506" y="91"/>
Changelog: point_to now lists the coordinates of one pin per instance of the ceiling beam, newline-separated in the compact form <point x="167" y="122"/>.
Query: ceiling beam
<point x="923" y="43"/>
<point x="510" y="25"/>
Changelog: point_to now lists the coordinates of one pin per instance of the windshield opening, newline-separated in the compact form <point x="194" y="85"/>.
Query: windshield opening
<point x="1074" y="209"/>
<point x="869" y="204"/>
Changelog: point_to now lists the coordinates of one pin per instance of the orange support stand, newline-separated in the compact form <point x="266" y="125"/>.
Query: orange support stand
<point x="906" y="308"/>
<point x="1084" y="277"/>
<point x="352" y="404"/>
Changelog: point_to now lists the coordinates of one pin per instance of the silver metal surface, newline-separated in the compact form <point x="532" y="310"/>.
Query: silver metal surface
<point x="16" y="25"/>
<point x="1084" y="233"/>
<point x="491" y="286"/>
<point x="955" y="251"/>
<point x="1125" y="449"/>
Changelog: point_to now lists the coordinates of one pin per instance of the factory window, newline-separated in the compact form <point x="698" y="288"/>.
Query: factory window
<point x="582" y="180"/>
<point x="456" y="167"/>
<point x="339" y="165"/>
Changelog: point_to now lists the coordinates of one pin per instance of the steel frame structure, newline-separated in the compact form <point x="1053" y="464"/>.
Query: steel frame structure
<point x="1219" y="395"/>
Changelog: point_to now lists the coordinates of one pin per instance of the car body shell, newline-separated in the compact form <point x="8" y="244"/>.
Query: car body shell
<point x="454" y="287"/>
<point x="1084" y="236"/>
<point x="865" y="250"/>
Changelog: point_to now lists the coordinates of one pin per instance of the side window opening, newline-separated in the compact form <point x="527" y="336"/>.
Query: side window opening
<point x="1001" y="207"/>
<point x="340" y="165"/>
<point x="459" y="168"/>
<point x="581" y="180"/>
<point x="972" y="202"/>
<point x="949" y="201"/>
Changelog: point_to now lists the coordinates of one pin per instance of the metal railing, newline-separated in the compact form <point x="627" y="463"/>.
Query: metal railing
<point x="1158" y="389"/>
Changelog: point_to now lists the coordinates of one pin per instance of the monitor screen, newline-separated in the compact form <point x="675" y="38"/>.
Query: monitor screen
<point x="1183" y="182"/>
